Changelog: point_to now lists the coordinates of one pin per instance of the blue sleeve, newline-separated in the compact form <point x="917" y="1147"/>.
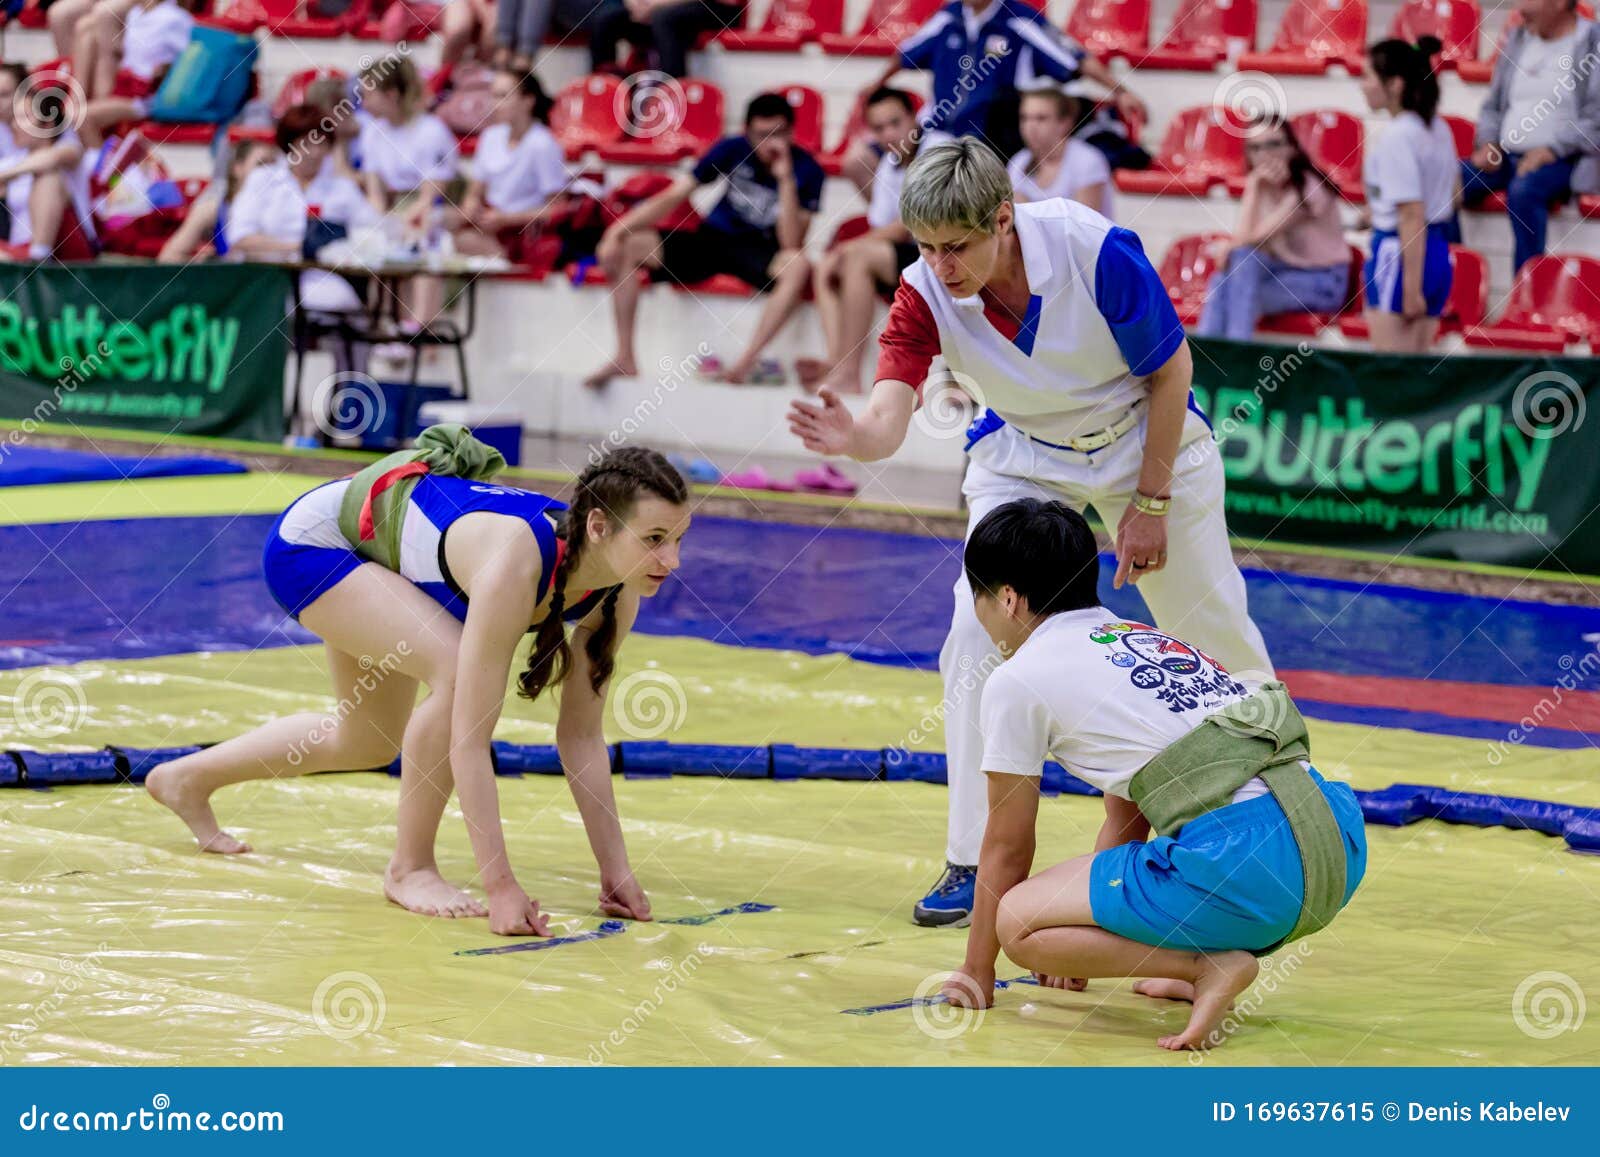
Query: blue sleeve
<point x="809" y="179"/>
<point x="1135" y="304"/>
<point x="918" y="50"/>
<point x="721" y="159"/>
<point x="1055" y="54"/>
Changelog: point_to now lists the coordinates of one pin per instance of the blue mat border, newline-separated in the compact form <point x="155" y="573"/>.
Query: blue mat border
<point x="1395" y="806"/>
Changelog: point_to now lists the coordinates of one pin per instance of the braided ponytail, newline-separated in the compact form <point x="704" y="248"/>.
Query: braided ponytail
<point x="613" y="486"/>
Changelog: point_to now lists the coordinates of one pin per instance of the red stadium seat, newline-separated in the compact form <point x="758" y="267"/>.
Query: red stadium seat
<point x="1463" y="130"/>
<point x="888" y="22"/>
<point x="669" y="127"/>
<point x="1555" y="300"/>
<point x="1202" y="147"/>
<point x="1454" y="22"/>
<point x="1469" y="297"/>
<point x="1186" y="270"/>
<point x="832" y="161"/>
<point x="291" y="18"/>
<point x="584" y="115"/>
<point x="1333" y="140"/>
<point x="1309" y="324"/>
<point x="807" y="106"/>
<point x="395" y="20"/>
<point x="1111" y="28"/>
<point x="1589" y="206"/>
<point x="294" y="89"/>
<point x="1315" y="34"/>
<point x="849" y="229"/>
<point x="789" y="24"/>
<point x="1479" y="71"/>
<point x="1204" y="33"/>
<point x="178" y="133"/>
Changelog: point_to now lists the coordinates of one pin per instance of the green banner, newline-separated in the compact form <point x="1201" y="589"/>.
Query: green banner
<point x="195" y="349"/>
<point x="1483" y="459"/>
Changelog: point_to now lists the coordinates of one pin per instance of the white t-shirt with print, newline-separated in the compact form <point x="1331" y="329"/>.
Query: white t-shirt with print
<point x="1104" y="696"/>
<point x="1082" y="166"/>
<point x="404" y="156"/>
<point x="521" y="177"/>
<point x="153" y="38"/>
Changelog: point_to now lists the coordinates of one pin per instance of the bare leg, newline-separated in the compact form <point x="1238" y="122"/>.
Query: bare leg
<point x="824" y="289"/>
<point x="867" y="265"/>
<point x="47" y="205"/>
<point x="458" y="31"/>
<point x="106" y="25"/>
<point x="424" y="300"/>
<point x="63" y="19"/>
<point x="1046" y="924"/>
<point x="860" y="165"/>
<point x="101" y="114"/>
<point x="1392" y="333"/>
<point x="790" y="272"/>
<point x="636" y="251"/>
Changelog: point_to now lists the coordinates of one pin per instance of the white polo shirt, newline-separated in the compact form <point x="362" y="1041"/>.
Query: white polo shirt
<point x="883" y="208"/>
<point x="521" y="177"/>
<point x="1104" y="696"/>
<point x="1099" y="322"/>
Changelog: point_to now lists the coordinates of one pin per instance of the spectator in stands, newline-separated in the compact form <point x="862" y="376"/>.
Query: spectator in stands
<point x="981" y="53"/>
<point x="331" y="95"/>
<point x="1410" y="172"/>
<point x="664" y="29"/>
<point x="47" y="186"/>
<point x="466" y="27"/>
<point x="518" y="169"/>
<point x="204" y="231"/>
<point x="852" y="273"/>
<point x="124" y="49"/>
<point x="408" y="160"/>
<point x="522" y="25"/>
<point x="756" y="232"/>
<point x="1287" y="253"/>
<point x="1541" y="117"/>
<point x="1055" y="163"/>
<point x="12" y="77"/>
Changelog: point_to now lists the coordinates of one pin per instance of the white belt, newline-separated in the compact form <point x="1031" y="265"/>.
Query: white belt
<point x="1099" y="439"/>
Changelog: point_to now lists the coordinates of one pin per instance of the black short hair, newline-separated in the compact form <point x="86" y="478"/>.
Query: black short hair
<point x="1044" y="551"/>
<point x="884" y="93"/>
<point x="769" y="104"/>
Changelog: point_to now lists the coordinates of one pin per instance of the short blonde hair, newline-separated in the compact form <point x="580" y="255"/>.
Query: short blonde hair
<point x="961" y="183"/>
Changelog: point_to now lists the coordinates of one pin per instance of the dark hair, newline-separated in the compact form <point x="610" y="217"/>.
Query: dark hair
<point x="1044" y="551"/>
<point x="528" y="86"/>
<point x="1413" y="64"/>
<point x="19" y="72"/>
<point x="884" y="93"/>
<point x="612" y="485"/>
<point x="1301" y="165"/>
<point x="296" y="124"/>
<point x="769" y="104"/>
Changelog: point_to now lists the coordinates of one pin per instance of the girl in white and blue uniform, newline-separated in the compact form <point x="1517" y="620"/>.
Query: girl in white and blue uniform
<point x="479" y="565"/>
<point x="1411" y="173"/>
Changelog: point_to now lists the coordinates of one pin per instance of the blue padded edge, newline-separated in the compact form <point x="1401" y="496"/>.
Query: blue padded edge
<point x="1395" y="806"/>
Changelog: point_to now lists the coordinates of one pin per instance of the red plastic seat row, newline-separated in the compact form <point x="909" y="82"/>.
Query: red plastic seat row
<point x="630" y="125"/>
<point x="1479" y="71"/>
<point x="1555" y="302"/>
<point x="1469" y="297"/>
<point x="292" y="18"/>
<point x="1314" y="35"/>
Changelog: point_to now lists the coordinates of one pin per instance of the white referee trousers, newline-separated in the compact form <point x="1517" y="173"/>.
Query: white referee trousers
<point x="1198" y="597"/>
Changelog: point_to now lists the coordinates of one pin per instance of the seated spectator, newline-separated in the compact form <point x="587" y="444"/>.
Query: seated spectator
<point x="1411" y="174"/>
<point x="756" y="232"/>
<point x="123" y="49"/>
<point x="1542" y="115"/>
<point x="339" y="204"/>
<point x="1055" y="163"/>
<point x="1287" y="253"/>
<point x="47" y="183"/>
<point x="466" y="27"/>
<point x="1013" y="43"/>
<point x="665" y="30"/>
<point x="408" y="159"/>
<point x="267" y="218"/>
<point x="851" y="274"/>
<point x="204" y="231"/>
<point x="517" y="170"/>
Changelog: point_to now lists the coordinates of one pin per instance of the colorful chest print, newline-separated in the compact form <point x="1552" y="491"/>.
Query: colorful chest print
<point x="1176" y="674"/>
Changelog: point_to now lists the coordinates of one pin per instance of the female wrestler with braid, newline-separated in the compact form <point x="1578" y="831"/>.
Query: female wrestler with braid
<point x="480" y="565"/>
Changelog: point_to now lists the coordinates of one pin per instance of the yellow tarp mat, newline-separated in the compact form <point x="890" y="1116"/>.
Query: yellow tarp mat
<point x="258" y="492"/>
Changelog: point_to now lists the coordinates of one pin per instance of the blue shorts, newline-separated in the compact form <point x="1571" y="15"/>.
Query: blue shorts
<point x="306" y="556"/>
<point x="1384" y="276"/>
<point x="1231" y="879"/>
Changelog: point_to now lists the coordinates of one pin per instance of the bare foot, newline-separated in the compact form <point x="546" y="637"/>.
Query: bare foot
<point x="615" y="368"/>
<point x="811" y="372"/>
<point x="424" y="891"/>
<point x="193" y="807"/>
<point x="1223" y="976"/>
<point x="1161" y="988"/>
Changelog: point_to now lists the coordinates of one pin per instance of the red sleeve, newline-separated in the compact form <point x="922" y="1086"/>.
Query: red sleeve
<point x="910" y="339"/>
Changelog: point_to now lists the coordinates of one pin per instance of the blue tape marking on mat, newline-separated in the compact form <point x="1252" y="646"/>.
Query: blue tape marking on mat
<point x="41" y="466"/>
<point x="747" y="907"/>
<point x="609" y="928"/>
<point x="142" y="587"/>
<point x="925" y="1001"/>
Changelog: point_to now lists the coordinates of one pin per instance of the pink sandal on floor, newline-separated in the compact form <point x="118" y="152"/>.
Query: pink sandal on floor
<point x="755" y="478"/>
<point x="826" y="479"/>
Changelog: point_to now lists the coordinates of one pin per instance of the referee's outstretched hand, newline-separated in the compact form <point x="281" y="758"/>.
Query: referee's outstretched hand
<point x="825" y="428"/>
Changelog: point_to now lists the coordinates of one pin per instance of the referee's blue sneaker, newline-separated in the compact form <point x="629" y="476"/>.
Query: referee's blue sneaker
<point x="949" y="905"/>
